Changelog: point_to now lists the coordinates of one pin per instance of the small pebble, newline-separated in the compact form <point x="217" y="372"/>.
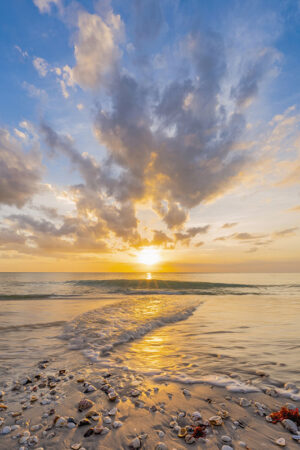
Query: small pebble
<point x="186" y="392"/>
<point x="215" y="420"/>
<point x="245" y="402"/>
<point x="6" y="430"/>
<point x="226" y="447"/>
<point x="75" y="446"/>
<point x="160" y="434"/>
<point x="280" y="442"/>
<point x="135" y="443"/>
<point x="189" y="439"/>
<point x="226" y="439"/>
<point x="161" y="446"/>
<point x="117" y="424"/>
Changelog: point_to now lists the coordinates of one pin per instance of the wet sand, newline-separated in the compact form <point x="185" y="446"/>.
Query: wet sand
<point x="40" y="410"/>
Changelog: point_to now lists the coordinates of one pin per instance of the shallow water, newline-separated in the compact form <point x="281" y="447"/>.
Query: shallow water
<point x="179" y="325"/>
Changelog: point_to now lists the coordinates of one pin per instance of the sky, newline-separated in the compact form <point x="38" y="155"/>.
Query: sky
<point x="169" y="125"/>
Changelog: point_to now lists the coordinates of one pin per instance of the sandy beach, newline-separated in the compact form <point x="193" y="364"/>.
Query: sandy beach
<point x="86" y="407"/>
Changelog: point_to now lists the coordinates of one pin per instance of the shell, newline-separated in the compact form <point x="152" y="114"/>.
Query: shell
<point x="182" y="433"/>
<point x="85" y="403"/>
<point x="281" y="442"/>
<point x="196" y="415"/>
<point x="189" y="439"/>
<point x="215" y="420"/>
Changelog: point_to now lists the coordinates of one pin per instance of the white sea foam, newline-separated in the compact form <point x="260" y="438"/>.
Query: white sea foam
<point x="98" y="331"/>
<point x="231" y="384"/>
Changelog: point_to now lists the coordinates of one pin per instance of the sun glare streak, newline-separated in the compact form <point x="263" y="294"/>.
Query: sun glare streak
<point x="149" y="256"/>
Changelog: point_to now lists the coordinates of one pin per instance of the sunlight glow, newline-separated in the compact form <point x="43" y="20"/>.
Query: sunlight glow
<point x="149" y="256"/>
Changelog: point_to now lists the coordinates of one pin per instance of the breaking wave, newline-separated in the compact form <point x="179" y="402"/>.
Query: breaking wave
<point x="98" y="331"/>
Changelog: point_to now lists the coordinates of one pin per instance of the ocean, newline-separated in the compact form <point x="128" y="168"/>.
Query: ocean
<point x="172" y="326"/>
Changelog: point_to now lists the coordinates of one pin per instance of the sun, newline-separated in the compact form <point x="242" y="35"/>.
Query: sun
<point x="149" y="256"/>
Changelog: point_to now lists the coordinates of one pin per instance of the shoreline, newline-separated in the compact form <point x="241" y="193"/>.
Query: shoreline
<point x="129" y="410"/>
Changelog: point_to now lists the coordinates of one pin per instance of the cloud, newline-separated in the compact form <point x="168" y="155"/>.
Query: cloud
<point x="254" y="72"/>
<point x="285" y="232"/>
<point x="20" y="172"/>
<point x="45" y="5"/>
<point x="229" y="225"/>
<point x="35" y="92"/>
<point x="96" y="48"/>
<point x="295" y="208"/>
<point x="41" y="66"/>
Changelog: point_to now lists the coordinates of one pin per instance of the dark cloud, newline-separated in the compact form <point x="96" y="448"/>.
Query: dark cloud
<point x="20" y="171"/>
<point x="255" y="70"/>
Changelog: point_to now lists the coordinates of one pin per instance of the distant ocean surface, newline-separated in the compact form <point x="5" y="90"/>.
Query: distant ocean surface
<point x="180" y="326"/>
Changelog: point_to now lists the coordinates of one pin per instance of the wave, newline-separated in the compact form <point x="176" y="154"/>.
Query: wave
<point x="98" y="331"/>
<point x="35" y="296"/>
<point x="32" y="326"/>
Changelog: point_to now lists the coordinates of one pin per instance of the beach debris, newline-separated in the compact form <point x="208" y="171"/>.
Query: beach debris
<point x="107" y="420"/>
<point x="112" y="396"/>
<point x="135" y="393"/>
<point x="135" y="443"/>
<point x="296" y="437"/>
<point x="117" y="424"/>
<point x="226" y="439"/>
<point x="6" y="430"/>
<point x="216" y="420"/>
<point x="2" y="394"/>
<point x="84" y="422"/>
<point x="89" y="432"/>
<point x="245" y="402"/>
<point x="61" y="422"/>
<point x="85" y="403"/>
<point x="182" y="432"/>
<point x="226" y="447"/>
<point x="223" y="413"/>
<point x="280" y="442"/>
<point x="186" y="392"/>
<point x="161" y="446"/>
<point x="98" y="428"/>
<point x="286" y="413"/>
<point x="199" y="431"/>
<point x="290" y="426"/>
<point x="89" y="388"/>
<point x="196" y="415"/>
<point x="76" y="446"/>
<point x="189" y="439"/>
<point x="113" y="412"/>
<point x="2" y="407"/>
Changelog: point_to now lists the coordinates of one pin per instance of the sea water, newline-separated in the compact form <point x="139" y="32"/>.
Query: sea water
<point x="175" y="326"/>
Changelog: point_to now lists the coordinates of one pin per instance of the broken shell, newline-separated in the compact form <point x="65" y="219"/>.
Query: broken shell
<point x="89" y="432"/>
<point x="245" y="402"/>
<point x="84" y="422"/>
<point x="196" y="416"/>
<point x="112" y="396"/>
<point x="215" y="420"/>
<point x="182" y="432"/>
<point x="189" y="439"/>
<point x="85" y="404"/>
<point x="281" y="442"/>
<point x="75" y="446"/>
<point x="223" y="413"/>
<point x="98" y="428"/>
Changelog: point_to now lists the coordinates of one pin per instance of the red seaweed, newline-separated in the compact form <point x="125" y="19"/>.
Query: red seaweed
<point x="285" y="413"/>
<point x="199" y="431"/>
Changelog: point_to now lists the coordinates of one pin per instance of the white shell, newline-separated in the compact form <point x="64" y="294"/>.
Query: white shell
<point x="281" y="442"/>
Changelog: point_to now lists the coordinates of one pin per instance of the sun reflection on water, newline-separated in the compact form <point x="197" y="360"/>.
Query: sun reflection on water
<point x="149" y="276"/>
